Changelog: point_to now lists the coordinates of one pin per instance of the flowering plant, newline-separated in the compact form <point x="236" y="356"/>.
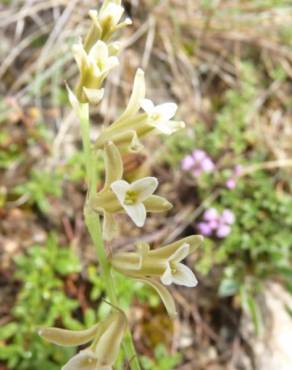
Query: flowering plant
<point x="216" y="223"/>
<point x="96" y="57"/>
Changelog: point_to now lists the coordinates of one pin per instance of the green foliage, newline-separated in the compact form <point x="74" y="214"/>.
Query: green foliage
<point x="39" y="186"/>
<point x="259" y="246"/>
<point x="41" y="301"/>
<point x="163" y="360"/>
<point x="126" y="289"/>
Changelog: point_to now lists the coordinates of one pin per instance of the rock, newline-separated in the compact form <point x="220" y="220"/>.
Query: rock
<point x="272" y="350"/>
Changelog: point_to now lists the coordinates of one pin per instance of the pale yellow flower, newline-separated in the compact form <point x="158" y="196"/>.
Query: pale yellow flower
<point x="117" y="195"/>
<point x="163" y="263"/>
<point x="133" y="124"/>
<point x="106" y="338"/>
<point x="106" y="22"/>
<point x="94" y="67"/>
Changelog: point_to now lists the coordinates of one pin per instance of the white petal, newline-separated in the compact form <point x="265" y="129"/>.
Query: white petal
<point x="79" y="55"/>
<point x="94" y="96"/>
<point x="181" y="253"/>
<point x="99" y="51"/>
<point x="137" y="213"/>
<point x="84" y="360"/>
<point x="166" y="278"/>
<point x="138" y="93"/>
<point x="184" y="276"/>
<point x="169" y="127"/>
<point x="120" y="187"/>
<point x="112" y="62"/>
<point x="112" y="10"/>
<point x="144" y="187"/>
<point x="148" y="106"/>
<point x="166" y="110"/>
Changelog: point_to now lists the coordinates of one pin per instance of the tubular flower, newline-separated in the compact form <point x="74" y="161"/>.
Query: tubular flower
<point x="160" y="116"/>
<point x="117" y="195"/>
<point x="132" y="125"/>
<point x="163" y="263"/>
<point x="105" y="22"/>
<point x="94" y="67"/>
<point x="106" y="338"/>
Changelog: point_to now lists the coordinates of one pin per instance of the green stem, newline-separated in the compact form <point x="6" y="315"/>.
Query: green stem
<point x="92" y="221"/>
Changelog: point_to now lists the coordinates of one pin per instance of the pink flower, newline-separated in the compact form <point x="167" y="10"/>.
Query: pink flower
<point x="216" y="223"/>
<point x="198" y="162"/>
<point x="211" y="214"/>
<point x="228" y="216"/>
<point x="187" y="163"/>
<point x="231" y="182"/>
<point x="223" y="231"/>
<point x="204" y="228"/>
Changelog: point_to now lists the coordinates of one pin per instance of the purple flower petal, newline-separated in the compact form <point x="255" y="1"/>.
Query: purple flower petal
<point x="187" y="163"/>
<point x="230" y="183"/>
<point x="223" y="231"/>
<point x="197" y="172"/>
<point x="207" y="165"/>
<point x="214" y="224"/>
<point x="199" y="154"/>
<point x="227" y="217"/>
<point x="204" y="228"/>
<point x="211" y="214"/>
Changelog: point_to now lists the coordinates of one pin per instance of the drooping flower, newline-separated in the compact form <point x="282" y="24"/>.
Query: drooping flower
<point x="197" y="163"/>
<point x="176" y="272"/>
<point x="216" y="223"/>
<point x="117" y="195"/>
<point x="163" y="263"/>
<point x="160" y="116"/>
<point x="106" y="338"/>
<point x="133" y="125"/>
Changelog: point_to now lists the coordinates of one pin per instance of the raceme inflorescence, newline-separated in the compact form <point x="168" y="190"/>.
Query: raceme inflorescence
<point x="96" y="56"/>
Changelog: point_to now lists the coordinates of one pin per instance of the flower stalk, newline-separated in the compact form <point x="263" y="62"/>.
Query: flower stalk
<point x="92" y="220"/>
<point x="159" y="267"/>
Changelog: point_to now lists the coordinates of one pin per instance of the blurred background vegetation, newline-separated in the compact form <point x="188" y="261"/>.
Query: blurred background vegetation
<point x="228" y="65"/>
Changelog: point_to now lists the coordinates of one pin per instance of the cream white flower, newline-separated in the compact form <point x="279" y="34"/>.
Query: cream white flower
<point x="107" y="203"/>
<point x="176" y="272"/>
<point x="111" y="13"/>
<point x="160" y="116"/>
<point x="94" y="67"/>
<point x="106" y="22"/>
<point x="131" y="196"/>
<point x="164" y="263"/>
<point x="98" y="61"/>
